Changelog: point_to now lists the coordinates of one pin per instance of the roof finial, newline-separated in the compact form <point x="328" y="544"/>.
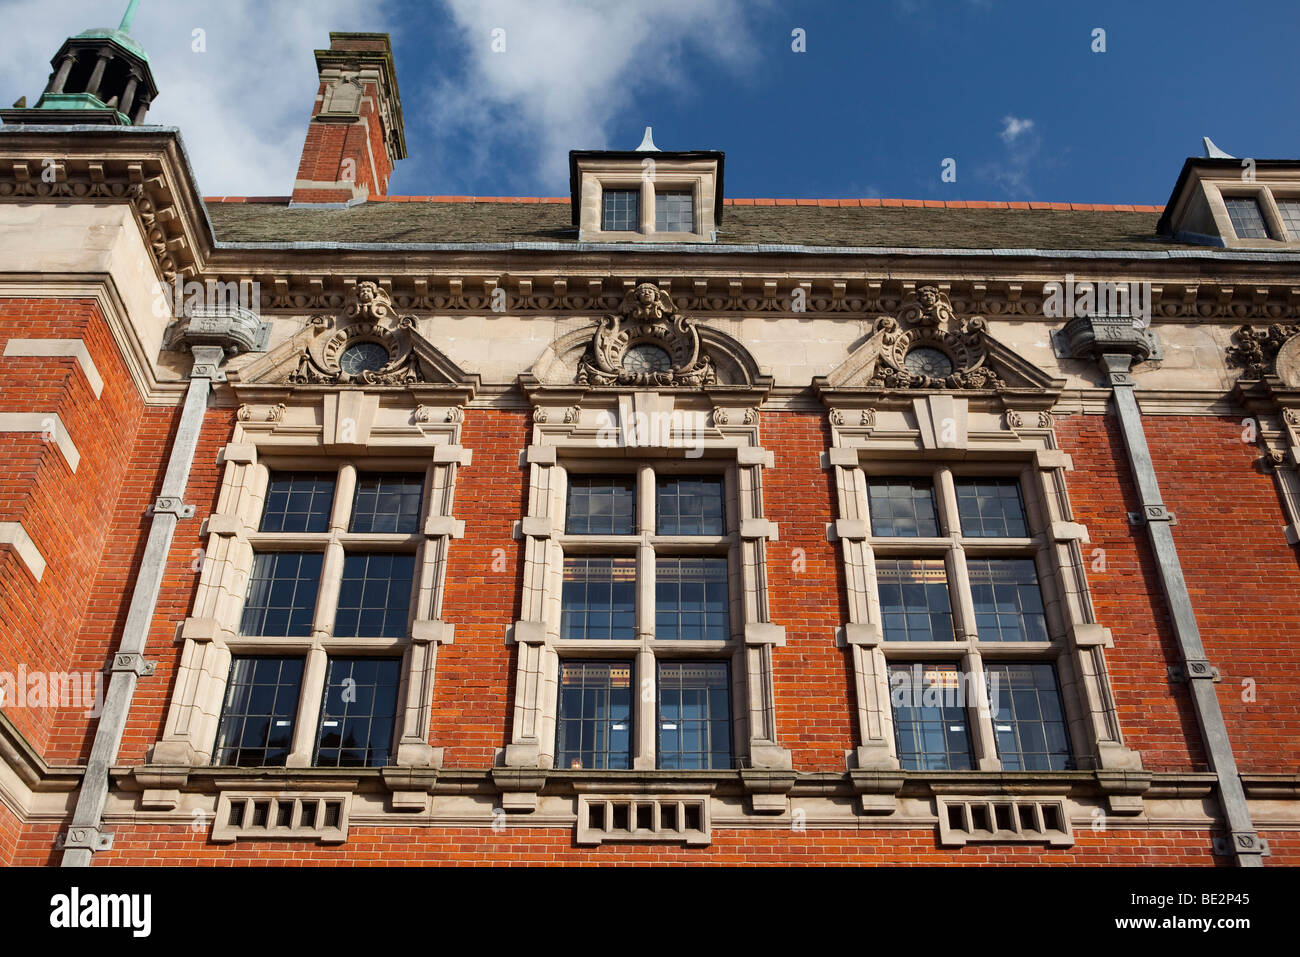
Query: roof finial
<point x="1213" y="152"/>
<point x="647" y="142"/>
<point x="125" y="25"/>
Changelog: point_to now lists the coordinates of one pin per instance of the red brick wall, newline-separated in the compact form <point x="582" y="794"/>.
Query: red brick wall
<point x="374" y="846"/>
<point x="473" y="703"/>
<point x="1155" y="714"/>
<point x="10" y="833"/>
<point x="62" y="511"/>
<point x="328" y="145"/>
<point x="815" y="703"/>
<point x="1243" y="577"/>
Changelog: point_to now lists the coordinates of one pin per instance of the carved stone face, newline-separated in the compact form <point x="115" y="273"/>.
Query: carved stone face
<point x="367" y="292"/>
<point x="646" y="294"/>
<point x="928" y="297"/>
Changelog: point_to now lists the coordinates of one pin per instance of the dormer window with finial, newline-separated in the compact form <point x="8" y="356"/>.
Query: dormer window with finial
<point x="646" y="194"/>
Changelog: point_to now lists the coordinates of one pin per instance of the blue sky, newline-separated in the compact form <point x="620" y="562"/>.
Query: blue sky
<point x="886" y="90"/>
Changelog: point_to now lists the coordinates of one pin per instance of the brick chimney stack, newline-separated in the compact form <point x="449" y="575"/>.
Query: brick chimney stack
<point x="355" y="136"/>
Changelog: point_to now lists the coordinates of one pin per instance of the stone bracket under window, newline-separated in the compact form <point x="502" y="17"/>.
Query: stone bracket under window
<point x="998" y="820"/>
<point x="282" y="815"/>
<point x="664" y="819"/>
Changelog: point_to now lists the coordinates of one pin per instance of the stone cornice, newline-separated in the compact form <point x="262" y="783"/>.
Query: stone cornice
<point x="148" y="168"/>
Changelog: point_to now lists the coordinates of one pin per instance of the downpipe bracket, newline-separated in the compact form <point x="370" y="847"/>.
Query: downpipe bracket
<point x="1241" y="842"/>
<point x="133" y="663"/>
<point x="85" y="838"/>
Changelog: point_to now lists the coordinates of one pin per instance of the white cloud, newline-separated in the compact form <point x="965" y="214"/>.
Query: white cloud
<point x="242" y="106"/>
<point x="1022" y="155"/>
<point x="568" y="70"/>
<point x="1012" y="127"/>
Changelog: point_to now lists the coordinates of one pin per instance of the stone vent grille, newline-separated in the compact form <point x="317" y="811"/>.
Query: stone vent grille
<point x="281" y="816"/>
<point x="1002" y="821"/>
<point x="667" y="819"/>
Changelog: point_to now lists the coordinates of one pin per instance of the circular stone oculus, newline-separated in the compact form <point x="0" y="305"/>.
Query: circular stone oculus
<point x="363" y="357"/>
<point x="646" y="359"/>
<point x="924" y="360"/>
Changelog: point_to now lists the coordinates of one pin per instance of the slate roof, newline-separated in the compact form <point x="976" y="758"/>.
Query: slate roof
<point x="834" y="223"/>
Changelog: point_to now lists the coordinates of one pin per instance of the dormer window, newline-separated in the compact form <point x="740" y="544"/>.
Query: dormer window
<point x="1289" y="210"/>
<point x="621" y="210"/>
<point x="1220" y="200"/>
<point x="1247" y="218"/>
<point x="674" y="211"/>
<point x="646" y="195"/>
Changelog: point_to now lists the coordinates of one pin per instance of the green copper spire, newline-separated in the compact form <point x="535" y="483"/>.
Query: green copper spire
<point x="125" y="25"/>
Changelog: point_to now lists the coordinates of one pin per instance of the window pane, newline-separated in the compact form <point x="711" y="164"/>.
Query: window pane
<point x="621" y="210"/>
<point x="902" y="507"/>
<point x="281" y="594"/>
<point x="691" y="599"/>
<point x="358" y="713"/>
<point x="930" y="728"/>
<point x="1290" y="210"/>
<point x="1008" y="602"/>
<point x="594" y="727"/>
<point x="601" y="505"/>
<point x="1027" y="718"/>
<point x="298" y="502"/>
<point x="387" y="503"/>
<point x="256" y="727"/>
<point x="689" y="506"/>
<point x="1247" y="219"/>
<point x="598" y="598"/>
<point x="375" y="596"/>
<point x="991" y="508"/>
<point x="694" y="716"/>
<point x="675" y="212"/>
<point x="914" y="600"/>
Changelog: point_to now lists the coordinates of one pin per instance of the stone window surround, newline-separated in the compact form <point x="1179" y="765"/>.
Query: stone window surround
<point x="645" y="651"/>
<point x="211" y="635"/>
<point x="697" y="176"/>
<point x="861" y="449"/>
<point x="580" y="445"/>
<point x="968" y="653"/>
<point x="1266" y="194"/>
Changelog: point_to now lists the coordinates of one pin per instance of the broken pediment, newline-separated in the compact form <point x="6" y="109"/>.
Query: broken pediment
<point x="648" y="344"/>
<point x="366" y="345"/>
<point x="927" y="347"/>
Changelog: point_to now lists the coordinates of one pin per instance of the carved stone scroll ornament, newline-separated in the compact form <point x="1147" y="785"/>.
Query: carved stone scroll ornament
<point x="366" y="318"/>
<point x="953" y="349"/>
<point x="1258" y="351"/>
<point x="665" y="346"/>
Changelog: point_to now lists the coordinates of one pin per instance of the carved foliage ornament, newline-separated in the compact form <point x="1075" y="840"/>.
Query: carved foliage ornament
<point x="648" y="344"/>
<point x="928" y="347"/>
<point x="372" y="345"/>
<point x="1256" y="350"/>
